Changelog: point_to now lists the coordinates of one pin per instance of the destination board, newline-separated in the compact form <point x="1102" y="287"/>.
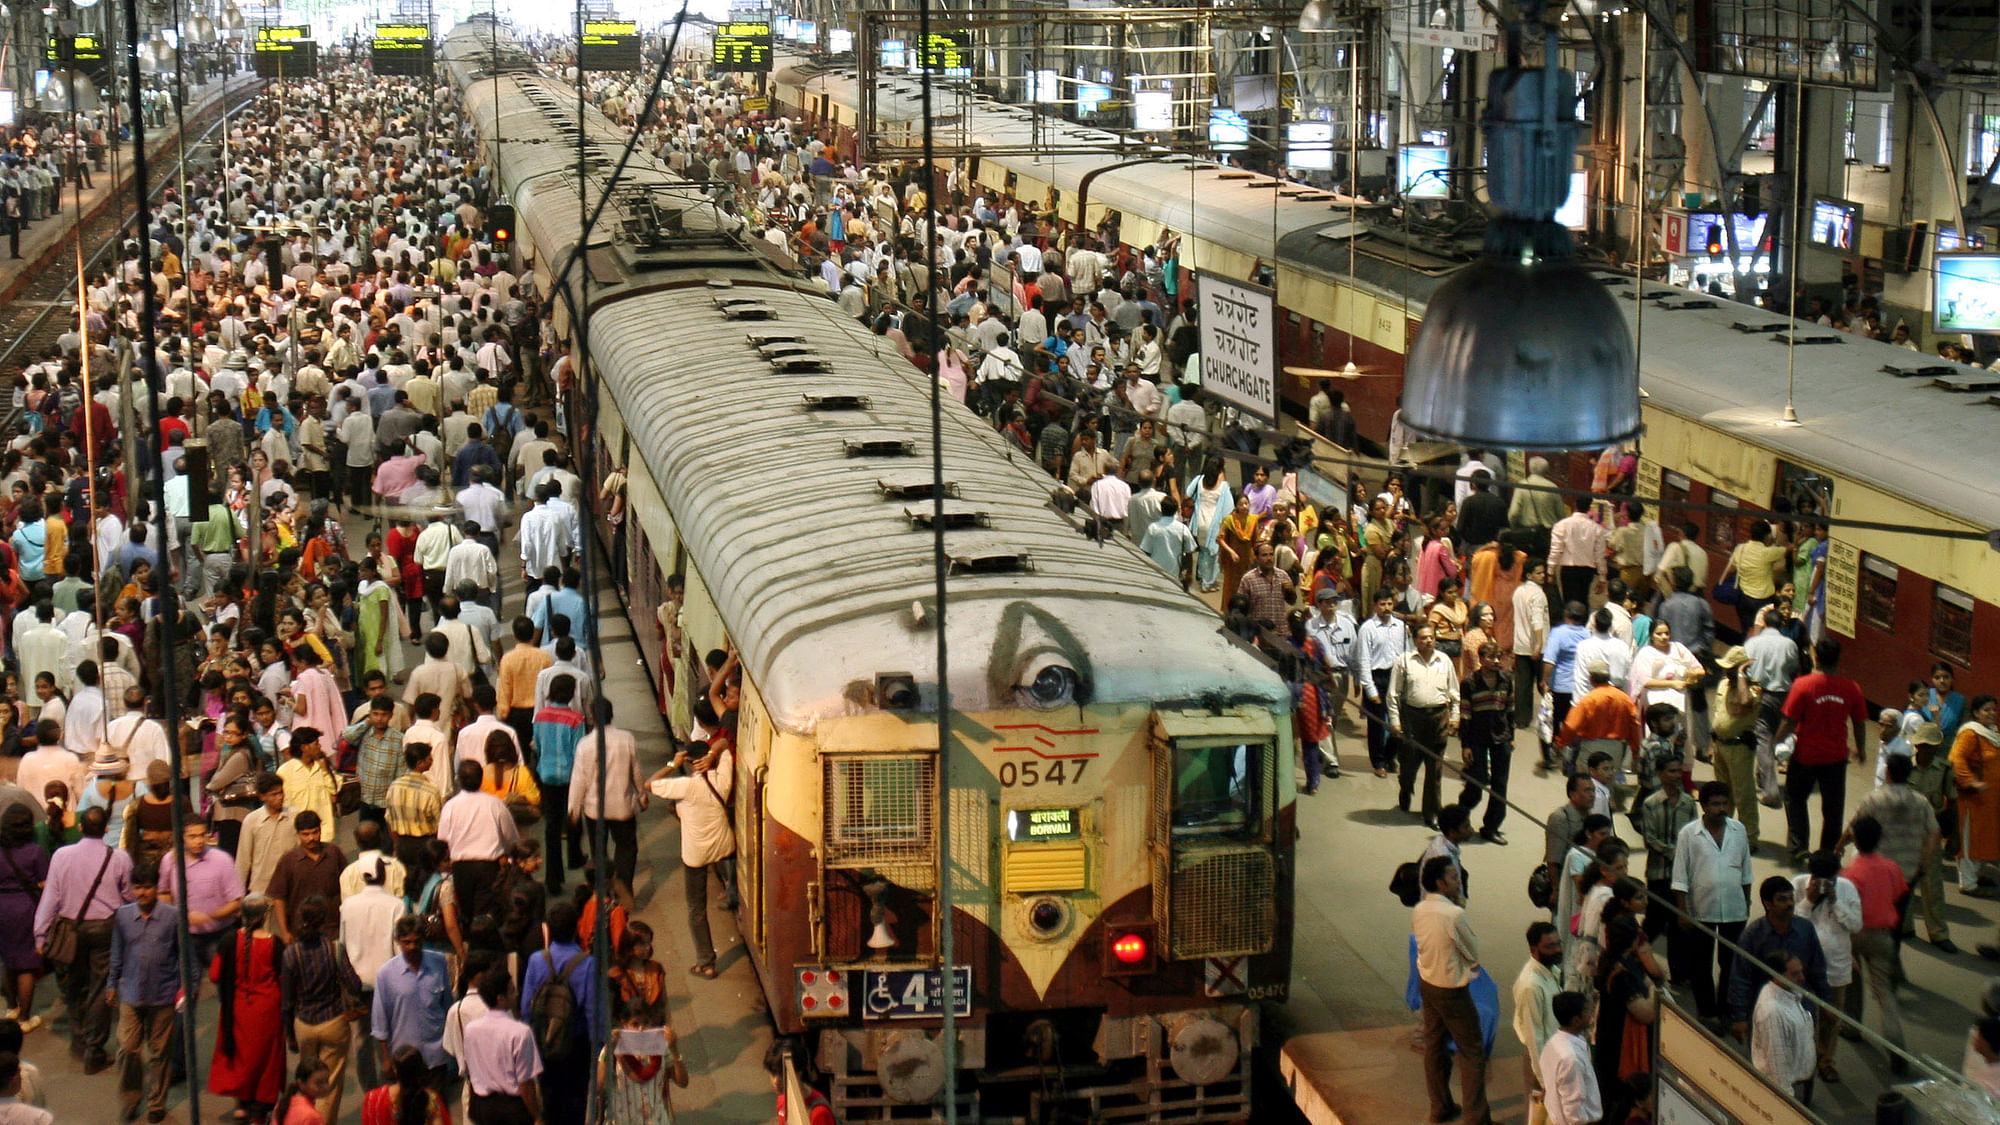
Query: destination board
<point x="948" y="52"/>
<point x="743" y="46"/>
<point x="285" y="52"/>
<point x="608" y="45"/>
<point x="85" y="54"/>
<point x="403" y="49"/>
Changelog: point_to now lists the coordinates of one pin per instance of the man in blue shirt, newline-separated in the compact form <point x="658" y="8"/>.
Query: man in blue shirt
<point x="565" y="1075"/>
<point x="144" y="979"/>
<point x="1559" y="665"/>
<point x="412" y="994"/>
<point x="568" y="601"/>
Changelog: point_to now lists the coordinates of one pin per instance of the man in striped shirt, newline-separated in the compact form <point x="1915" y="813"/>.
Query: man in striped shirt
<point x="559" y="727"/>
<point x="411" y="809"/>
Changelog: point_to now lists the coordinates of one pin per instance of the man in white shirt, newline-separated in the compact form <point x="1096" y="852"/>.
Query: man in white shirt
<point x="368" y="922"/>
<point x="1447" y="963"/>
<point x="1535" y="1023"/>
<point x="1569" y="1076"/>
<point x="141" y="739"/>
<point x="47" y="762"/>
<point x="478" y="830"/>
<point x="1111" y="501"/>
<point x="701" y="792"/>
<point x="1712" y="881"/>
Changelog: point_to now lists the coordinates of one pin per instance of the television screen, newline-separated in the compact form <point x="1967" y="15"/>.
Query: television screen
<point x="840" y="41"/>
<point x="1043" y="86"/>
<point x="1835" y="223"/>
<point x="1309" y="146"/>
<point x="1227" y="130"/>
<point x="1090" y="95"/>
<point x="1949" y="239"/>
<point x="805" y="31"/>
<point x="1153" y="109"/>
<point x="893" y="55"/>
<point x="1254" y="92"/>
<point x="1575" y="211"/>
<point x="1422" y="172"/>
<point x="1966" y="296"/>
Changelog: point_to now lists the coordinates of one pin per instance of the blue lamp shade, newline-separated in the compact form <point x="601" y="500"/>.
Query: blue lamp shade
<point x="1532" y="357"/>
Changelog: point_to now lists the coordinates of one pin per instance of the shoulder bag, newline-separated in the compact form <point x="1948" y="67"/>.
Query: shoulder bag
<point x="59" y="948"/>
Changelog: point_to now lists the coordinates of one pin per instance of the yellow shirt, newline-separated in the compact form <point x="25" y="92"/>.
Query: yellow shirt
<point x="310" y="787"/>
<point x="1757" y="568"/>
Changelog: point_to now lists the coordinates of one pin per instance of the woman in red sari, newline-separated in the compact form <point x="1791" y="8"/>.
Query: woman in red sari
<point x="401" y="546"/>
<point x="249" y="1061"/>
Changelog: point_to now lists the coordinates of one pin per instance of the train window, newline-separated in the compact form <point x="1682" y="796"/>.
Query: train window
<point x="1218" y="787"/>
<point x="879" y="809"/>
<point x="1951" y="625"/>
<point x="1876" y="600"/>
<point x="1803" y="491"/>
<point x="1721" y="525"/>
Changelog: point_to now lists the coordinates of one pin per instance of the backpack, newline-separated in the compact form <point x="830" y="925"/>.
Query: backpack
<point x="552" y="1013"/>
<point x="501" y="436"/>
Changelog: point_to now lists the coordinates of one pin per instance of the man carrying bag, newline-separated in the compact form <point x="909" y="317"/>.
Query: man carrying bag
<point x="88" y="881"/>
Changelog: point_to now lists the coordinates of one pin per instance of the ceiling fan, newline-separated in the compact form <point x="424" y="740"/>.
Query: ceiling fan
<point x="1348" y="370"/>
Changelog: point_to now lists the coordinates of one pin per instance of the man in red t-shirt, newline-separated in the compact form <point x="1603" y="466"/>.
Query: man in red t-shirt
<point x="1821" y="709"/>
<point x="1883" y="891"/>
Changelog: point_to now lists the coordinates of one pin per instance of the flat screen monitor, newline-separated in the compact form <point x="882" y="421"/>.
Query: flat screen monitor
<point x="1423" y="172"/>
<point x="1948" y="239"/>
<point x="1044" y="86"/>
<point x="1966" y="296"/>
<point x="1254" y="92"/>
<point x="782" y="26"/>
<point x="1575" y="211"/>
<point x="1090" y="95"/>
<point x="805" y="31"/>
<point x="894" y="57"/>
<point x="1153" y="109"/>
<point x="1836" y="224"/>
<point x="1309" y="146"/>
<point x="1228" y="131"/>
<point x="840" y="41"/>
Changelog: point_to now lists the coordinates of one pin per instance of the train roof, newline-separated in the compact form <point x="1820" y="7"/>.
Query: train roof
<point x="792" y="491"/>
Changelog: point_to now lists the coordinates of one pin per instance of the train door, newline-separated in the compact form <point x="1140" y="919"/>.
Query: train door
<point x="1802" y="490"/>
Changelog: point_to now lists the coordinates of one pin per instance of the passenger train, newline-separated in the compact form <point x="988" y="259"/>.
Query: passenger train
<point x="1885" y="435"/>
<point x="1118" y="771"/>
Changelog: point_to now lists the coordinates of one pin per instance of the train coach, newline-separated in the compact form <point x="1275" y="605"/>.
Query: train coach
<point x="1117" y="772"/>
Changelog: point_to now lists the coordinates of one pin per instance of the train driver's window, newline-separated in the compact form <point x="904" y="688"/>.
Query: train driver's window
<point x="1217" y="787"/>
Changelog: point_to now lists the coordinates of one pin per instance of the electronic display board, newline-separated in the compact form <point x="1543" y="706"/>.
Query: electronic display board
<point x="743" y="46"/>
<point x="403" y="49"/>
<point x="86" y="54"/>
<point x="609" y="45"/>
<point x="1966" y="293"/>
<point x="948" y="52"/>
<point x="285" y="52"/>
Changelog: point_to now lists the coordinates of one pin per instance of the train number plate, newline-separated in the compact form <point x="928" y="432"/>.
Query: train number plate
<point x="914" y="994"/>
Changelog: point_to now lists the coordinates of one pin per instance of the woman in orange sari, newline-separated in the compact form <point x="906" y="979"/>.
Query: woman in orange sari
<point x="1239" y="535"/>
<point x="1496" y="571"/>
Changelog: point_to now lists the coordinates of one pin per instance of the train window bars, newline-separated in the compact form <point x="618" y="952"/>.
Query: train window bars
<point x="880" y="810"/>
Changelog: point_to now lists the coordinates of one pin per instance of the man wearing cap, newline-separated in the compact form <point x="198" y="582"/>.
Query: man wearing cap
<point x="1734" y="750"/>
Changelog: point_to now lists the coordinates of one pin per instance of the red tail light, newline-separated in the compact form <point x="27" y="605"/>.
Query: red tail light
<point x="1129" y="950"/>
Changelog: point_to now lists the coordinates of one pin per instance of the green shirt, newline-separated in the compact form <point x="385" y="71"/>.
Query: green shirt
<point x="217" y="533"/>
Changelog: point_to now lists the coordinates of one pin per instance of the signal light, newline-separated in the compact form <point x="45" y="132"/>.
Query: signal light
<point x="1130" y="950"/>
<point x="500" y="223"/>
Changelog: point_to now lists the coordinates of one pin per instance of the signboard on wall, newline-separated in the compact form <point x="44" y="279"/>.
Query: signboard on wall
<point x="1713" y="1085"/>
<point x="1843" y="586"/>
<point x="1239" y="344"/>
<point x="1646" y="485"/>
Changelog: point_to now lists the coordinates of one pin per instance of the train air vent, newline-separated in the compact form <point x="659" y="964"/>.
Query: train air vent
<point x="1919" y="369"/>
<point x="721" y="283"/>
<point x="914" y="488"/>
<point x="1683" y="304"/>
<point x="759" y="337"/>
<point x="799" y="364"/>
<point x="838" y="401"/>
<point x="726" y="300"/>
<point x="1810" y="338"/>
<point x="1761" y="325"/>
<point x="1235" y="175"/>
<point x="956" y="515"/>
<point x="781" y="349"/>
<point x="1967" y="381"/>
<point x="749" y="310"/>
<point x="880" y="447"/>
<point x="996" y="560"/>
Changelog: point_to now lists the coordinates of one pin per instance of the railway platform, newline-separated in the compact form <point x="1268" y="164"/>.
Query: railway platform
<point x="1346" y="1047"/>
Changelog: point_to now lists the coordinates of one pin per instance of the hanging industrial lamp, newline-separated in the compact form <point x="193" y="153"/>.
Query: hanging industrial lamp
<point x="1317" y="18"/>
<point x="1524" y="348"/>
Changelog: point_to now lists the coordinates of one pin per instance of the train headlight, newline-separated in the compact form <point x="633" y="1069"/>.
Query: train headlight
<point x="1047" y="918"/>
<point x="1048" y="682"/>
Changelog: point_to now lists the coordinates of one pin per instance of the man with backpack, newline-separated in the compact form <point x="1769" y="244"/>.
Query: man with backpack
<point x="556" y="996"/>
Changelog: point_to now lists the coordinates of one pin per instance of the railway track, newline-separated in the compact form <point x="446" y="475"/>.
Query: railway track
<point x="43" y="303"/>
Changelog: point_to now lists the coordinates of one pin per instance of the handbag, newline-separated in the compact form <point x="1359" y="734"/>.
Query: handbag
<point x="1727" y="593"/>
<point x="348" y="797"/>
<point x="523" y="807"/>
<point x="59" y="948"/>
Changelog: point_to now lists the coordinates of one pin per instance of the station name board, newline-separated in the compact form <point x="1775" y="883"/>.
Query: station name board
<point x="608" y="45"/>
<point x="743" y="46"/>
